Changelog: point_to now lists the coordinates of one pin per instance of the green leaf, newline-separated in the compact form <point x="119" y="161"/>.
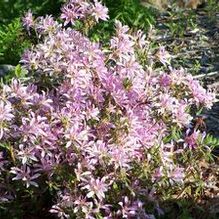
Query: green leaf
<point x="20" y="72"/>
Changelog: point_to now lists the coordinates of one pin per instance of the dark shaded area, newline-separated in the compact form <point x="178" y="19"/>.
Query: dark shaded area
<point x="190" y="209"/>
<point x="22" y="208"/>
<point x="11" y="9"/>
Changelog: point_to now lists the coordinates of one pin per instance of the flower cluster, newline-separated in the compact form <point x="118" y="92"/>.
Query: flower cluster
<point x="91" y="120"/>
<point x="80" y="9"/>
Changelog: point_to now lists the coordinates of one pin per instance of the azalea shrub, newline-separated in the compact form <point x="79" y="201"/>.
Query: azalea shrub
<point x="94" y="132"/>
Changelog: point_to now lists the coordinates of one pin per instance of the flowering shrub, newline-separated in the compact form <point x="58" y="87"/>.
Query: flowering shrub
<point x="106" y="136"/>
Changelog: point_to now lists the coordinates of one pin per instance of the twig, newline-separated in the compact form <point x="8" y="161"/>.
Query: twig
<point x="206" y="75"/>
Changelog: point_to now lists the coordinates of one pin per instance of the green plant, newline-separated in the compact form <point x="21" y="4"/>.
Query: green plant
<point x="196" y="67"/>
<point x="11" y="9"/>
<point x="180" y="21"/>
<point x="212" y="7"/>
<point x="131" y="12"/>
<point x="13" y="41"/>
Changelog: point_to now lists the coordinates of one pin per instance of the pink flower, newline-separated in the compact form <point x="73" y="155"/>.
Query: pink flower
<point x="194" y="139"/>
<point x="20" y="93"/>
<point x="177" y="174"/>
<point x="59" y="211"/>
<point x="158" y="173"/>
<point x="99" y="11"/>
<point x="127" y="210"/>
<point x="5" y="111"/>
<point x="96" y="187"/>
<point x="25" y="175"/>
<point x="76" y="135"/>
<point x="166" y="103"/>
<point x="81" y="204"/>
<point x="28" y="20"/>
<point x="165" y="80"/>
<point x="26" y="154"/>
<point x="97" y="151"/>
<point x="200" y="95"/>
<point x="163" y="56"/>
<point x="33" y="127"/>
<point x="132" y="209"/>
<point x="5" y="116"/>
<point x="46" y="25"/>
<point x="119" y="157"/>
<point x="122" y="43"/>
<point x="73" y="10"/>
<point x="140" y="38"/>
<point x="182" y="118"/>
<point x="69" y="14"/>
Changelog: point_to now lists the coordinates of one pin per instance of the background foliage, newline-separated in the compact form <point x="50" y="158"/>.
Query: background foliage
<point x="10" y="9"/>
<point x="13" y="38"/>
